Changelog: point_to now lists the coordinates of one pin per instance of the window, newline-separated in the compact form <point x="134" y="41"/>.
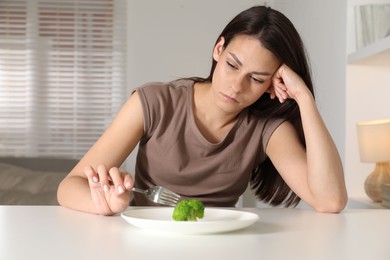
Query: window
<point x="62" y="74"/>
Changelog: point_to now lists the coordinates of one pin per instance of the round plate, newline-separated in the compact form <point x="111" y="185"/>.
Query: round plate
<point x="214" y="221"/>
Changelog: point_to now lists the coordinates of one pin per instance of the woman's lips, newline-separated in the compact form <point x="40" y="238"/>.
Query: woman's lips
<point x="229" y="98"/>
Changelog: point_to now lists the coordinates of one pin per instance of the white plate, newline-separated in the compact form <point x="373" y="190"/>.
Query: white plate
<point x="214" y="221"/>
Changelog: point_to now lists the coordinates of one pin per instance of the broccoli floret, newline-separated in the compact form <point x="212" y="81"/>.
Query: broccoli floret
<point x="188" y="210"/>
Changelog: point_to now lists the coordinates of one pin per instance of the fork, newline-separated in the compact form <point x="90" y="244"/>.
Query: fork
<point x="160" y="195"/>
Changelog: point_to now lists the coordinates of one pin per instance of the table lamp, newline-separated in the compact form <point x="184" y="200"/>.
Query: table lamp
<point x="374" y="147"/>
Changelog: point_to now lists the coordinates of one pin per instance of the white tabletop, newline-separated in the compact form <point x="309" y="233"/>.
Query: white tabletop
<point x="50" y="232"/>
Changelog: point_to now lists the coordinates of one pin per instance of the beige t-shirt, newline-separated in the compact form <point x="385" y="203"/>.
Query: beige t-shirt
<point x="173" y="153"/>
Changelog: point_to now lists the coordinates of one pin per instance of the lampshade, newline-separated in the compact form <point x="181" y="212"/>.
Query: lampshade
<point x="374" y="140"/>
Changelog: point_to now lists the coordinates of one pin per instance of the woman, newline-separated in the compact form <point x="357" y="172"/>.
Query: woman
<point x="254" y="119"/>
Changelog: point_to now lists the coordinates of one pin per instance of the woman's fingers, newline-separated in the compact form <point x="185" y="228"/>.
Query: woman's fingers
<point x="281" y="94"/>
<point x="122" y="181"/>
<point x="279" y="84"/>
<point x="278" y="91"/>
<point x="103" y="177"/>
<point x="91" y="174"/>
<point x="117" y="179"/>
<point x="128" y="181"/>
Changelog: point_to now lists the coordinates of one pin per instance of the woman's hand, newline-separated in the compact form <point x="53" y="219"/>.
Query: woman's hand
<point x="287" y="84"/>
<point x="109" y="189"/>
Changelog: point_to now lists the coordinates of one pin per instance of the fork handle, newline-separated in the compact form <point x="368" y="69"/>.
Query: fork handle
<point x="139" y="190"/>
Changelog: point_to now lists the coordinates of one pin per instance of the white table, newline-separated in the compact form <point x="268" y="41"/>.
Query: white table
<point x="51" y="232"/>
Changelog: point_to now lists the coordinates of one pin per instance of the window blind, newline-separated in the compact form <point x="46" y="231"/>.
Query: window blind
<point x="62" y="74"/>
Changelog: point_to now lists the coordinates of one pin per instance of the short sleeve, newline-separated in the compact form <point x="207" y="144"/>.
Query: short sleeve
<point x="271" y="125"/>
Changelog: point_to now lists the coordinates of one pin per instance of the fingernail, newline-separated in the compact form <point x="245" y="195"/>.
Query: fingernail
<point x="105" y="187"/>
<point x="120" y="189"/>
<point x="95" y="179"/>
<point x="128" y="184"/>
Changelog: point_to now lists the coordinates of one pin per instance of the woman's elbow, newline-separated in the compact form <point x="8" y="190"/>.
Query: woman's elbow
<point x="334" y="205"/>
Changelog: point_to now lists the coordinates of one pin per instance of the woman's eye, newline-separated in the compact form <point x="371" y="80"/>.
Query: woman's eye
<point x="260" y="81"/>
<point x="231" y="65"/>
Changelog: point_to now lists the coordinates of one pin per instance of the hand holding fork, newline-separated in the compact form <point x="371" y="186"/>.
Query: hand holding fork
<point x="108" y="190"/>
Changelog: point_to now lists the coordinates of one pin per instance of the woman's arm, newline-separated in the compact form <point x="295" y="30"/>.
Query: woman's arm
<point x="315" y="174"/>
<point x="95" y="184"/>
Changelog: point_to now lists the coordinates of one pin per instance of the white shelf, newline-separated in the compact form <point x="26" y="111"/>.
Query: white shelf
<point x="377" y="53"/>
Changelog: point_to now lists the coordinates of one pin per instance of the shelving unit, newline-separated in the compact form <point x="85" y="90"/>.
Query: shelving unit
<point x="377" y="53"/>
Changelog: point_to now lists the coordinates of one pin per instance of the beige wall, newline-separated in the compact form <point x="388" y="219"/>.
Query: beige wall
<point x="368" y="97"/>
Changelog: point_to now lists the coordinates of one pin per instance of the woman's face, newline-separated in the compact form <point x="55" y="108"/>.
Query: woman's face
<point x="243" y="72"/>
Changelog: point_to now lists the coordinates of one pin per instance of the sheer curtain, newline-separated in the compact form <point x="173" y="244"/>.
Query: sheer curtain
<point x="62" y="74"/>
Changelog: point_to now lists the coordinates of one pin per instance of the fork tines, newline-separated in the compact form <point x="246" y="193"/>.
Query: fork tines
<point x="169" y="197"/>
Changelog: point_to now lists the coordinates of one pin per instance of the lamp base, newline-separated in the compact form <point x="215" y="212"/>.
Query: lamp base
<point x="374" y="181"/>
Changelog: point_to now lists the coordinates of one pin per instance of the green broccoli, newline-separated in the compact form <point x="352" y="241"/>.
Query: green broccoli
<point x="188" y="210"/>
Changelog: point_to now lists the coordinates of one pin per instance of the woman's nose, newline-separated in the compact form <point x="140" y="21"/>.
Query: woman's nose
<point x="238" y="84"/>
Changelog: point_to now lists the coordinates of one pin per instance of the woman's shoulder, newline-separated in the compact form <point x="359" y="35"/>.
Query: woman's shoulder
<point x="163" y="92"/>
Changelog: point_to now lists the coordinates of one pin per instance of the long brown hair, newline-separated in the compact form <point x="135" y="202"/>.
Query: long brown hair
<point x="276" y="33"/>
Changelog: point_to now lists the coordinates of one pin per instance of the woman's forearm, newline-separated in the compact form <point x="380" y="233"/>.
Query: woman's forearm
<point x="325" y="170"/>
<point x="74" y="193"/>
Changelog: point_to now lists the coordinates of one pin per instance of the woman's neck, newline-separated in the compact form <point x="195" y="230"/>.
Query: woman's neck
<point x="212" y="122"/>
